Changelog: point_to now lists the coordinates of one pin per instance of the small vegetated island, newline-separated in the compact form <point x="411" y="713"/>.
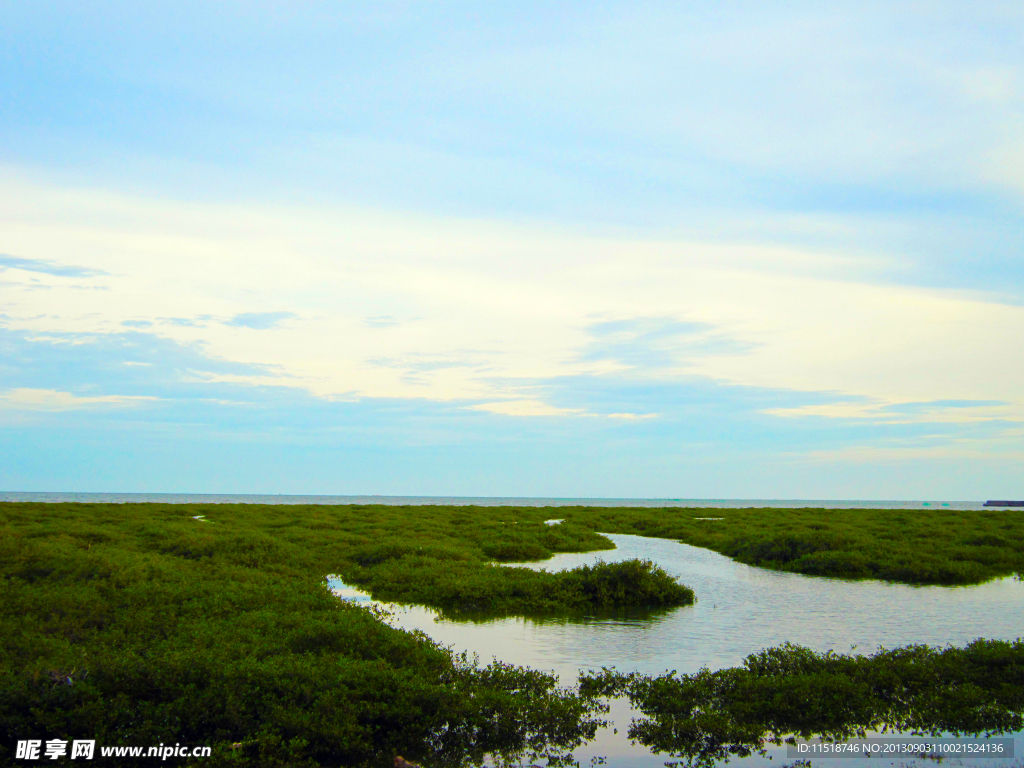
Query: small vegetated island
<point x="141" y="624"/>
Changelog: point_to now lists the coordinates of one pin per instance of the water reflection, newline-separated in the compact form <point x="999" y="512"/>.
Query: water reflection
<point x="740" y="610"/>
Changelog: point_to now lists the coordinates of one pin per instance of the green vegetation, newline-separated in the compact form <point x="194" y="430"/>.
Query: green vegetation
<point x="464" y="589"/>
<point x="138" y="625"/>
<point x="929" y="546"/>
<point x="792" y="691"/>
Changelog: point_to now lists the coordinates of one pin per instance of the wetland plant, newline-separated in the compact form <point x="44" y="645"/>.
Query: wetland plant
<point x="925" y="546"/>
<point x="144" y="626"/>
<point x="790" y="691"/>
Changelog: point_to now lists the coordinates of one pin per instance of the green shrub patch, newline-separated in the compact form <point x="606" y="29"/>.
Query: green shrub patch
<point x="138" y="625"/>
<point x="790" y="691"/>
<point x="927" y="546"/>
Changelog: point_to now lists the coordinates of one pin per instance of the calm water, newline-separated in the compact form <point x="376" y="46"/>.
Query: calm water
<point x="740" y="610"/>
<point x="489" y="501"/>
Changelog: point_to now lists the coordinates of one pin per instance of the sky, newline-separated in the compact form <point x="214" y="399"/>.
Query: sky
<point x="582" y="249"/>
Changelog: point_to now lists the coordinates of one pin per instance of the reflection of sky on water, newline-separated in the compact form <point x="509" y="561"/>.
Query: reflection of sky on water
<point x="739" y="610"/>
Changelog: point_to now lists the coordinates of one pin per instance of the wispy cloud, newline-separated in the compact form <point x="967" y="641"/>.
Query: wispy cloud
<point x="186" y="322"/>
<point x="422" y="363"/>
<point x="552" y="303"/>
<point x="46" y="267"/>
<point x="538" y="408"/>
<point x="56" y="400"/>
<point x="524" y="408"/>
<point x="124" y="363"/>
<point x="381" y="321"/>
<point x="260" y="321"/>
<point x="898" y="454"/>
<point x="658" y="342"/>
<point x="934" y="411"/>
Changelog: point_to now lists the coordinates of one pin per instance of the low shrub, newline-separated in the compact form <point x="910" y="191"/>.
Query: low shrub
<point x="793" y="691"/>
<point x="137" y="625"/>
<point x="925" y="546"/>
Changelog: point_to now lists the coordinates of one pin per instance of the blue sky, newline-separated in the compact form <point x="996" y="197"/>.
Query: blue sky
<point x="593" y="249"/>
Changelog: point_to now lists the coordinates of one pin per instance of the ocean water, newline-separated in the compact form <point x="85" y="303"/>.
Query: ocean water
<point x="484" y="501"/>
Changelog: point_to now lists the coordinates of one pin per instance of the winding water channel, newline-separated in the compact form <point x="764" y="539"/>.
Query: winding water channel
<point x="740" y="610"/>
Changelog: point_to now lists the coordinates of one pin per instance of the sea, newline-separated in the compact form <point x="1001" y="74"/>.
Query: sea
<point x="482" y="501"/>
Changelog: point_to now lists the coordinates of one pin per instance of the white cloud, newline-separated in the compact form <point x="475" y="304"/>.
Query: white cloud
<point x="525" y="408"/>
<point x="54" y="400"/>
<point x="501" y="303"/>
<point x="904" y="413"/>
<point x="893" y="454"/>
<point x="540" y="408"/>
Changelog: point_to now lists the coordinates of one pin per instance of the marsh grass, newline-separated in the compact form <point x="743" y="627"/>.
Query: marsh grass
<point x="139" y="625"/>
<point x="790" y="691"/>
<point x="468" y="589"/>
<point x="927" y="546"/>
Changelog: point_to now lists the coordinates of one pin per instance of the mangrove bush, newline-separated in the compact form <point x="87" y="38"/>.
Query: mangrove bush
<point x="790" y="691"/>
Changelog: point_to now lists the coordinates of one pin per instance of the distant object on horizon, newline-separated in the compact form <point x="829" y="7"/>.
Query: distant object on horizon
<point x="1004" y="504"/>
